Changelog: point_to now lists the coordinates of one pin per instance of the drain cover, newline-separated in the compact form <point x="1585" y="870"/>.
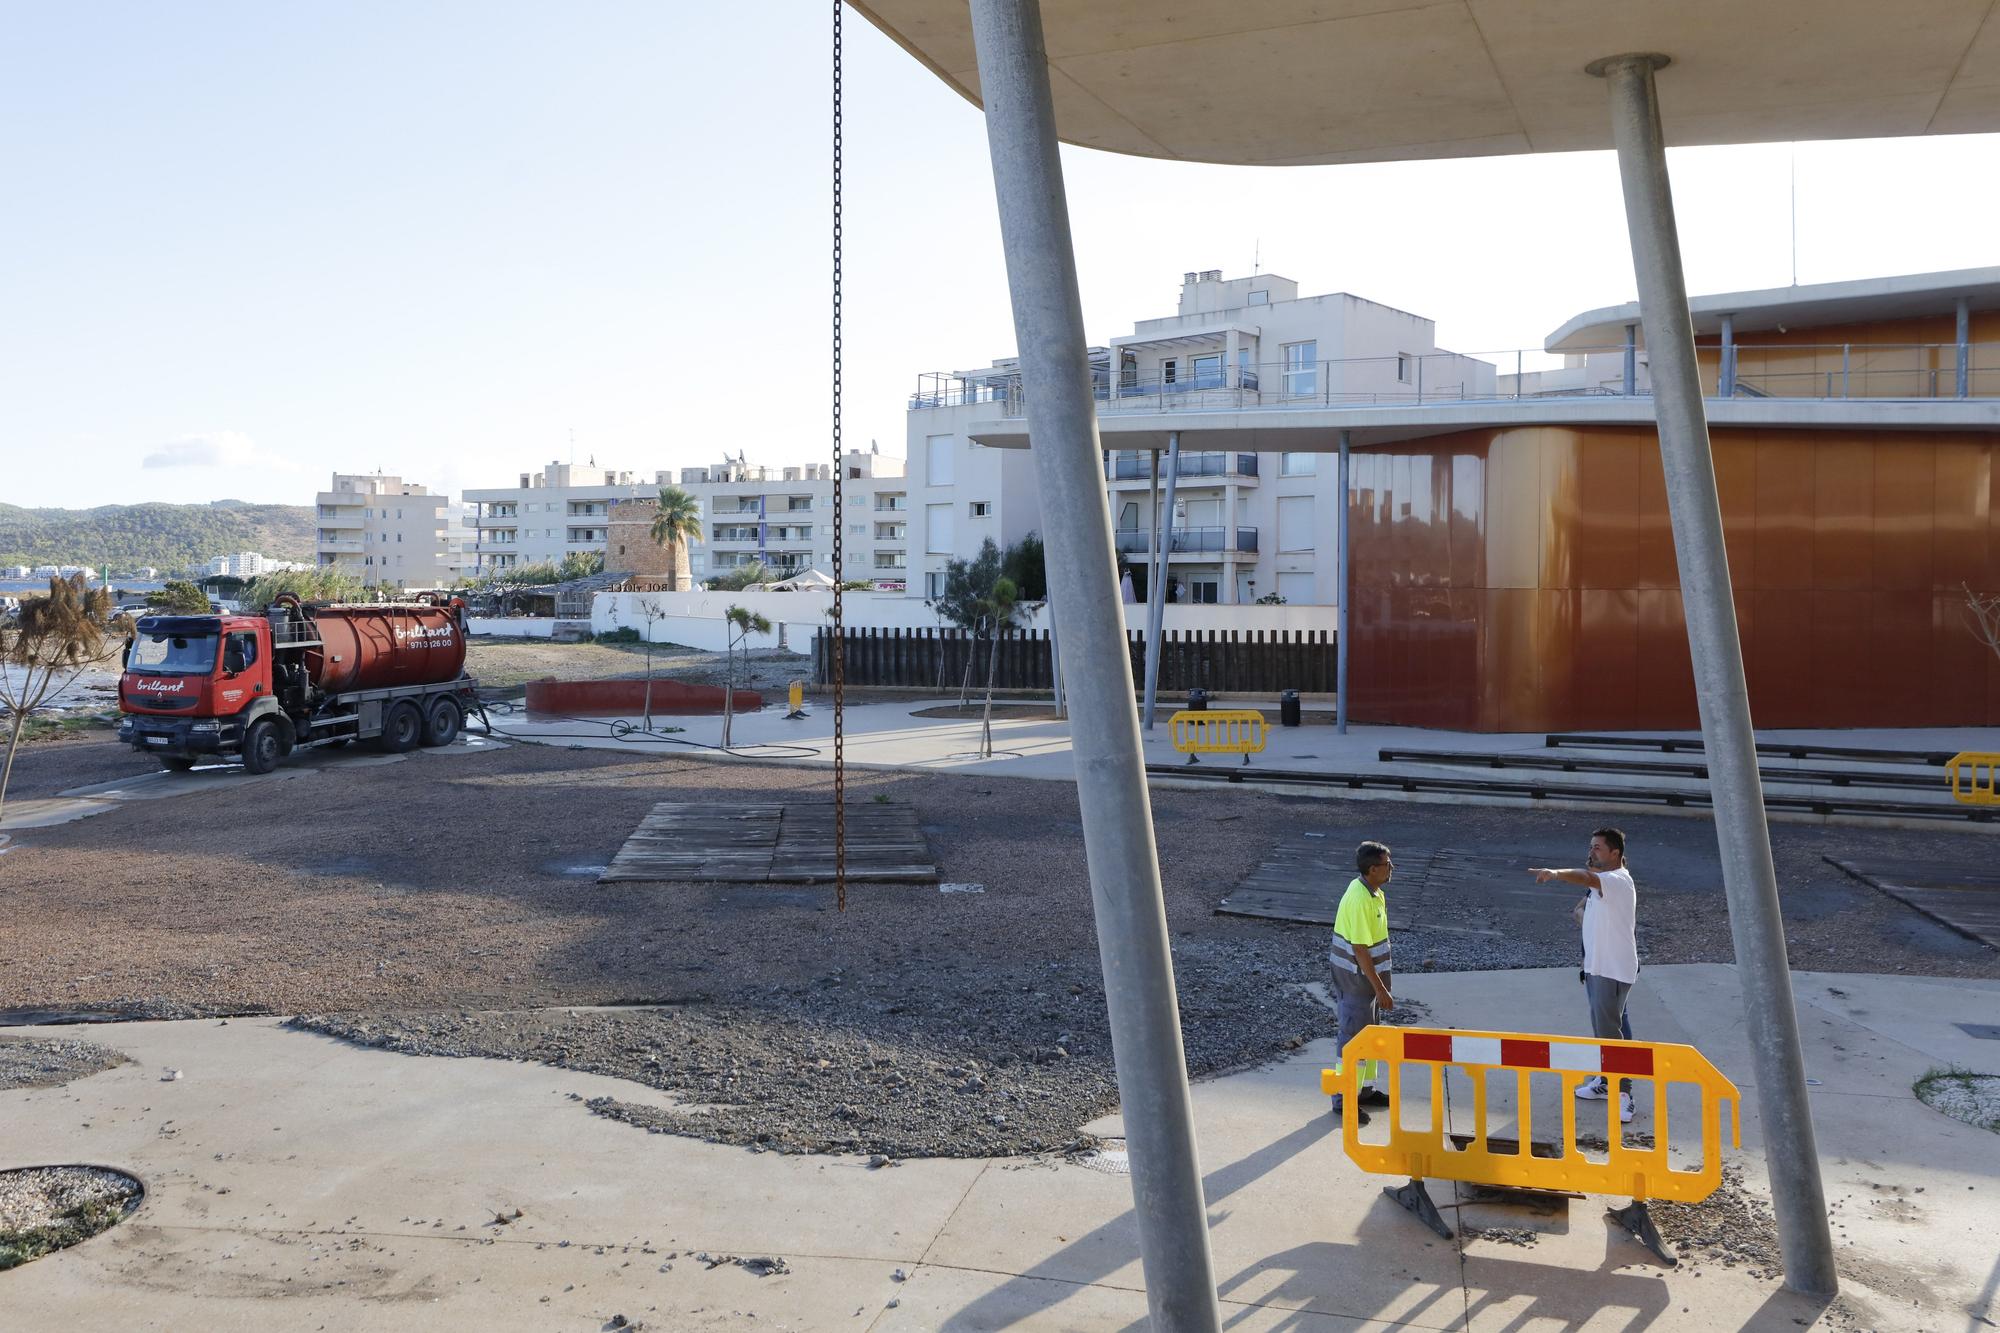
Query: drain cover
<point x="1983" y="1031"/>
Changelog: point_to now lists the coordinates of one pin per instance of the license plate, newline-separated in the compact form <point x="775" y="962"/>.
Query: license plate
<point x="156" y="740"/>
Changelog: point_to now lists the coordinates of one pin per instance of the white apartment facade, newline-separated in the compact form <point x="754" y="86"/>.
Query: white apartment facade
<point x="384" y="531"/>
<point x="782" y="518"/>
<point x="562" y="510"/>
<point x="248" y="565"/>
<point x="1245" y="525"/>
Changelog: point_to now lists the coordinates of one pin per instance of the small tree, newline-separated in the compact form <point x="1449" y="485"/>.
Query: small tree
<point x="579" y="565"/>
<point x="741" y="577"/>
<point x="179" y="597"/>
<point x="967" y="602"/>
<point x="46" y="647"/>
<point x="1025" y="563"/>
<point x="651" y="611"/>
<point x="677" y="524"/>
<point x="739" y="624"/>
<point x="1003" y="610"/>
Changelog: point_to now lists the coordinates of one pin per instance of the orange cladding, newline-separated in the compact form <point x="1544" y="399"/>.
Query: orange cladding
<point x="1524" y="579"/>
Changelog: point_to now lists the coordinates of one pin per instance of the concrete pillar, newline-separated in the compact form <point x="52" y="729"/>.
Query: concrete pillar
<point x="1230" y="376"/>
<point x="1156" y="576"/>
<point x="1963" y="381"/>
<point x="1346" y="588"/>
<point x="1631" y="359"/>
<point x="1725" y="375"/>
<point x="1111" y="789"/>
<point x="1749" y="880"/>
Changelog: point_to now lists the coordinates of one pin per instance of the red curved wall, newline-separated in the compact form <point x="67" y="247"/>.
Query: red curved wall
<point x="1525" y="580"/>
<point x="627" y="698"/>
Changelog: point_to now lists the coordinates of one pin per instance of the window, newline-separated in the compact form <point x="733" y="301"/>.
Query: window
<point x="799" y="502"/>
<point x="1298" y="589"/>
<point x="1207" y="371"/>
<point x="1403" y="367"/>
<point x="621" y="548"/>
<point x="937" y="459"/>
<point x="1169" y="369"/>
<point x="1302" y="367"/>
<point x="982" y="508"/>
<point x="1295" y="523"/>
<point x="1204" y="591"/>
<point x="1260" y="298"/>
<point x="1128" y="517"/>
<point x="1297" y="465"/>
<point x="937" y="529"/>
<point x="934" y="583"/>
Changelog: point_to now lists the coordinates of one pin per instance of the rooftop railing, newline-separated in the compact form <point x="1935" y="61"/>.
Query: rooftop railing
<point x="1829" y="371"/>
<point x="1129" y="467"/>
<point x="1189" y="541"/>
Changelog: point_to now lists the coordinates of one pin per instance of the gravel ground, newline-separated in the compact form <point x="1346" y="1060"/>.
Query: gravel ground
<point x="1962" y="1095"/>
<point x="38" y="1063"/>
<point x="437" y="899"/>
<point x="49" y="1208"/>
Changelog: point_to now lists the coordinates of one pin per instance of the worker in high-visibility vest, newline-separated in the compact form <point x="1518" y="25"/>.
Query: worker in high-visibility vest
<point x="1361" y="964"/>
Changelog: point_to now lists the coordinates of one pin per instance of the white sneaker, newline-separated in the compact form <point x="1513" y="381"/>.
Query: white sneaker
<point x="1592" y="1089"/>
<point x="1626" y="1110"/>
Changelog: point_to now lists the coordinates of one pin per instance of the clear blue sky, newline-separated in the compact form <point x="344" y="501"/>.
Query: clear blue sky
<point x="256" y="243"/>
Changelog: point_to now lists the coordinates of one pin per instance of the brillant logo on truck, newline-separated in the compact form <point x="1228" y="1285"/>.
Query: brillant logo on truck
<point x="157" y="686"/>
<point x="420" y="636"/>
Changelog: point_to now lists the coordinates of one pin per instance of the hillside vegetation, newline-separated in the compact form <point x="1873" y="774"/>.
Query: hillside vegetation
<point x="171" y="537"/>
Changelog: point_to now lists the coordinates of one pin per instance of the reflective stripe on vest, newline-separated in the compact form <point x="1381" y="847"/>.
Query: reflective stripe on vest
<point x="1343" y="957"/>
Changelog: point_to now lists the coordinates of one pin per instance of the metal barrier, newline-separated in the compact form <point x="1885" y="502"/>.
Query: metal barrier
<point x="1218" y="731"/>
<point x="1972" y="776"/>
<point x="1428" y="1151"/>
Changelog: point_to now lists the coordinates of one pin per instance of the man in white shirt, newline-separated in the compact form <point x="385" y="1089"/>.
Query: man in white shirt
<point x="1610" y="945"/>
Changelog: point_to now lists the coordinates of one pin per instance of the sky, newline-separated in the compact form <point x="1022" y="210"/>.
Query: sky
<point x="248" y="245"/>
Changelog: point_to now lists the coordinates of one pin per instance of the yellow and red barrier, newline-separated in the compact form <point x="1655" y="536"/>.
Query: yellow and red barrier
<point x="1429" y="1151"/>
<point x="1218" y="731"/>
<point x="1972" y="776"/>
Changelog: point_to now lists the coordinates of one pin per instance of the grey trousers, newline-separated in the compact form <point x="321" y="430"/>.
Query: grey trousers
<point x="1607" y="1007"/>
<point x="1356" y="1013"/>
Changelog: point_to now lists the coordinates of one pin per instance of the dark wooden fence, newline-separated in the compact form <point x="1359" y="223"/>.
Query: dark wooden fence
<point x="1232" y="661"/>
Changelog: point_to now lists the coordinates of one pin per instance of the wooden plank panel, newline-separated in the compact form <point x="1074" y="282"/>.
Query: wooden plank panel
<point x="772" y="842"/>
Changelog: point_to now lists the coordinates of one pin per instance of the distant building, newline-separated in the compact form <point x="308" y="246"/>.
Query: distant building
<point x="244" y="565"/>
<point x="782" y="518"/>
<point x="16" y="572"/>
<point x="565" y="509"/>
<point x="385" y="531"/>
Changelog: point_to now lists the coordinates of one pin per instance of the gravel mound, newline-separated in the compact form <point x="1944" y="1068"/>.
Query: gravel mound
<point x="48" y="1208"/>
<point x="815" y="1070"/>
<point x="1962" y="1095"/>
<point x="1732" y="1227"/>
<point x="35" y="1062"/>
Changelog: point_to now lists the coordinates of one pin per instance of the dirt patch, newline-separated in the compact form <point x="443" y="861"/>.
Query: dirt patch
<point x="36" y="1062"/>
<point x="48" y="1208"/>
<point x="505" y="665"/>
<point x="1732" y="1227"/>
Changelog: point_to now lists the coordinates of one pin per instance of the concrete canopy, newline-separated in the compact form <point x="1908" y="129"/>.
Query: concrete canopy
<point x="1860" y="301"/>
<point x="1300" y="82"/>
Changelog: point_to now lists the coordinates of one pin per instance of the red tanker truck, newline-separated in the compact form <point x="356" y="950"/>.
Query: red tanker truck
<point x="259" y="687"/>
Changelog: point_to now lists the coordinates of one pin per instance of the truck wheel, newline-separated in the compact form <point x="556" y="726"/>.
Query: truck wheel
<point x="443" y="723"/>
<point x="175" y="763"/>
<point x="262" y="748"/>
<point x="403" y="729"/>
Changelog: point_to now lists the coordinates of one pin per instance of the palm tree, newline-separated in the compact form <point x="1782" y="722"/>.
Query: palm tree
<point x="678" y="522"/>
<point x="739" y="623"/>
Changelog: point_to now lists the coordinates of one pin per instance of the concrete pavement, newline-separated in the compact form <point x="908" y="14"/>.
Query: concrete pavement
<point x="295" y="1181"/>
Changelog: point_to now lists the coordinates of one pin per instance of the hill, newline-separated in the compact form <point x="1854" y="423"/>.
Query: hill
<point x="171" y="537"/>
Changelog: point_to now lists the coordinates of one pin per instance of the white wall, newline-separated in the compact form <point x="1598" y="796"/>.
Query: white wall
<point x="695" y="618"/>
<point x="519" y="627"/>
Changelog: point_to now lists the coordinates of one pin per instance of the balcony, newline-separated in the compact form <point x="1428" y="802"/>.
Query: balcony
<point x="335" y="518"/>
<point x="896" y="562"/>
<point x="1191" y="541"/>
<point x="1224" y="467"/>
<point x="892" y="504"/>
<point x="339" y="546"/>
<point x="1910" y="372"/>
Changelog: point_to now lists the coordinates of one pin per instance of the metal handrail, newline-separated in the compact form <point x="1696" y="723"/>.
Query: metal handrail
<point x="1866" y="370"/>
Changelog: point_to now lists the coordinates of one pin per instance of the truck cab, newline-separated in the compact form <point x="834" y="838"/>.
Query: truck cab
<point x="194" y="684"/>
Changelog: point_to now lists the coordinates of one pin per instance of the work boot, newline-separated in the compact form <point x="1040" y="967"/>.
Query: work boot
<point x="1360" y="1116"/>
<point x="1372" y="1097"/>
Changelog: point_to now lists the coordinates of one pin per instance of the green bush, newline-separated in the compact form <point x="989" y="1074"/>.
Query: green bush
<point x="624" y="635"/>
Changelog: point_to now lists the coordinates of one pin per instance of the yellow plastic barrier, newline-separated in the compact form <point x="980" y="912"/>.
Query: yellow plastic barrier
<point x="1972" y="778"/>
<point x="1428" y="1152"/>
<point x="1221" y="731"/>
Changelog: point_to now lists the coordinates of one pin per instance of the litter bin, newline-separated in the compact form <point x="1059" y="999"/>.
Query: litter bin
<point x="1288" y="708"/>
<point x="1197" y="700"/>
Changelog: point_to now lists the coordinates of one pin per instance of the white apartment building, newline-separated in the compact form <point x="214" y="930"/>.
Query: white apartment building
<point x="565" y="509"/>
<point x="385" y="531"/>
<point x="782" y="517"/>
<point x="1245" y="525"/>
<point x="248" y="565"/>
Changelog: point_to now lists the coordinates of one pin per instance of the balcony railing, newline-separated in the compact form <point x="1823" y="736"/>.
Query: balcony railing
<point x="1831" y="371"/>
<point x="1189" y="541"/>
<point x="1124" y="467"/>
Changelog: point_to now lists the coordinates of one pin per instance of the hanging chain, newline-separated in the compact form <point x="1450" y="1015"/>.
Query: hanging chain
<point x="839" y="520"/>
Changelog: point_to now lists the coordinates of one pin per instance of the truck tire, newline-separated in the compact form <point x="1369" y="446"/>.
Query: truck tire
<point x="443" y="722"/>
<point x="263" y="747"/>
<point x="175" y="763"/>
<point x="402" y="729"/>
